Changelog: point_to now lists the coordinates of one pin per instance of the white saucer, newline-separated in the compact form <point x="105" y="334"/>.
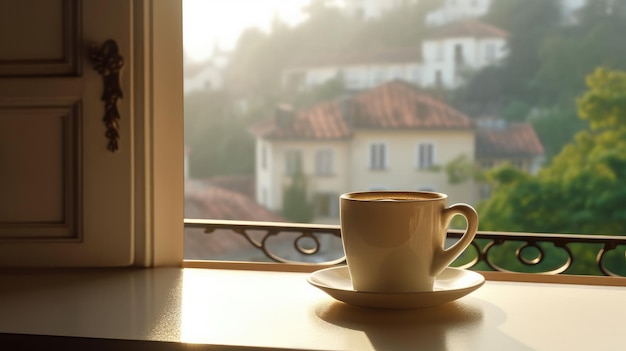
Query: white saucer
<point x="451" y="284"/>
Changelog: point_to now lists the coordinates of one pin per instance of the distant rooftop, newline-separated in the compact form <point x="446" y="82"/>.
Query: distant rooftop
<point x="214" y="202"/>
<point x="394" y="105"/>
<point x="515" y="140"/>
<point x="398" y="105"/>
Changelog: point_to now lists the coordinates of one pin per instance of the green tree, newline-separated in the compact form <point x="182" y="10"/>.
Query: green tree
<point x="582" y="190"/>
<point x="528" y="23"/>
<point x="217" y="138"/>
<point x="323" y="92"/>
<point x="570" y="53"/>
<point x="296" y="205"/>
<point x="555" y="126"/>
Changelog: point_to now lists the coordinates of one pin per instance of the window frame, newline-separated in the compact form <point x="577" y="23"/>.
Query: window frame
<point x="418" y="155"/>
<point x="374" y="164"/>
<point x="293" y="162"/>
<point x="159" y="139"/>
<point x="438" y="81"/>
<point x="331" y="205"/>
<point x="324" y="162"/>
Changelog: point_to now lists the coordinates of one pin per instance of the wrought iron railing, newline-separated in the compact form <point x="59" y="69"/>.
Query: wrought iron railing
<point x="490" y="251"/>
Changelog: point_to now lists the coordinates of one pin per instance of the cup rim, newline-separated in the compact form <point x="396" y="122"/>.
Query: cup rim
<point x="429" y="195"/>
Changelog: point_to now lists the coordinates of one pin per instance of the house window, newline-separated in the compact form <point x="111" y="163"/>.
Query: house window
<point x="425" y="155"/>
<point x="438" y="79"/>
<point x="264" y="198"/>
<point x="263" y="156"/>
<point x="293" y="162"/>
<point x="327" y="204"/>
<point x="490" y="52"/>
<point x="378" y="156"/>
<point x="439" y="51"/>
<point x="415" y="74"/>
<point x="458" y="54"/>
<point x="324" y="162"/>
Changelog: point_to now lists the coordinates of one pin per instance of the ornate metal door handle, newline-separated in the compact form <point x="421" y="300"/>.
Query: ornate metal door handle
<point x="107" y="61"/>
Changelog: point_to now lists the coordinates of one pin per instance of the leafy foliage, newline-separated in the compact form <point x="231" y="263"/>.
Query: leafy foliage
<point x="218" y="140"/>
<point x="545" y="69"/>
<point x="296" y="206"/>
<point x="582" y="190"/>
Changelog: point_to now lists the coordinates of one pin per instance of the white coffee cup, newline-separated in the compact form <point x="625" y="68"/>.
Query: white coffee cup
<point x="394" y="240"/>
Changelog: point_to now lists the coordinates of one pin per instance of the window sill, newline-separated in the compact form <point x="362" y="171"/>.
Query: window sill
<point x="167" y="308"/>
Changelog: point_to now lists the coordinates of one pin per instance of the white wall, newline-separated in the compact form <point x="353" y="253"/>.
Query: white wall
<point x="264" y="174"/>
<point x="274" y="178"/>
<point x="402" y="172"/>
<point x="454" y="10"/>
<point x="358" y="76"/>
<point x="440" y="55"/>
<point x="210" y="77"/>
<point x="372" y="9"/>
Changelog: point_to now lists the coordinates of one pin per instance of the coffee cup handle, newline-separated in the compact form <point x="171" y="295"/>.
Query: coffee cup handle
<point x="446" y="256"/>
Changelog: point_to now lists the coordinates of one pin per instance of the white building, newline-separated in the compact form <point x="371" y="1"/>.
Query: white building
<point x="388" y="137"/>
<point x="458" y="49"/>
<point x="455" y="10"/>
<point x="570" y="9"/>
<point x="205" y="75"/>
<point x="393" y="137"/>
<point x="441" y="60"/>
<point x="372" y="9"/>
<point x="358" y="71"/>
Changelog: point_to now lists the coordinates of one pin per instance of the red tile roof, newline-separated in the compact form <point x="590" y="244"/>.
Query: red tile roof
<point x="322" y="121"/>
<point x="394" y="105"/>
<point x="516" y="140"/>
<point x="216" y="203"/>
<point x="468" y="29"/>
<point x="399" y="105"/>
<point x="241" y="183"/>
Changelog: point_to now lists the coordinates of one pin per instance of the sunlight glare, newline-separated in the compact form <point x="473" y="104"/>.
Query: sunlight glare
<point x="210" y="22"/>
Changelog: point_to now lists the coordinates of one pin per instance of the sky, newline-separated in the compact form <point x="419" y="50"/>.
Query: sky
<point x="206" y="22"/>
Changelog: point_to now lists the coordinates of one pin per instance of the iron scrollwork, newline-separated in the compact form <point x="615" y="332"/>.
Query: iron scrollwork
<point x="485" y="249"/>
<point x="108" y="63"/>
<point x="551" y="253"/>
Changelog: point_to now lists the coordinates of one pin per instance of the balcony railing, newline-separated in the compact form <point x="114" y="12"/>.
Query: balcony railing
<point x="490" y="251"/>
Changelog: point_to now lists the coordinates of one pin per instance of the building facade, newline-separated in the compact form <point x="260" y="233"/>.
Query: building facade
<point x="441" y="60"/>
<point x="372" y="9"/>
<point x="459" y="49"/>
<point x="455" y="10"/>
<point x="391" y="137"/>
